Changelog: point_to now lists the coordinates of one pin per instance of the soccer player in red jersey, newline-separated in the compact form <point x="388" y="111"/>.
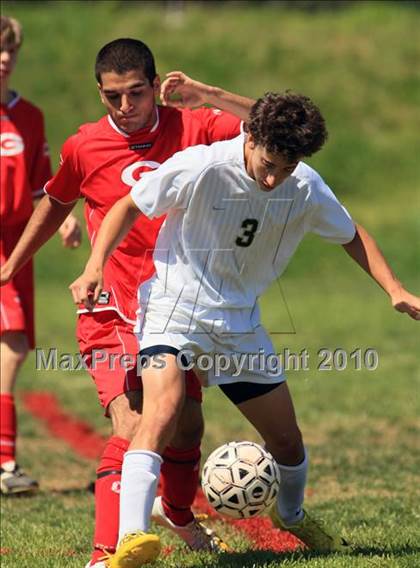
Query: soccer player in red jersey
<point x="100" y="164"/>
<point x="25" y="168"/>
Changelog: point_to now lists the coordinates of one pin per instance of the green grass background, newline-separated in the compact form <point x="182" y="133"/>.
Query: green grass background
<point x="360" y="64"/>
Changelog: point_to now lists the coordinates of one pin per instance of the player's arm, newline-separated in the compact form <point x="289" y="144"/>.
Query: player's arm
<point x="70" y="230"/>
<point x="44" y="222"/>
<point x="365" y="251"/>
<point x="115" y="226"/>
<point x="191" y="93"/>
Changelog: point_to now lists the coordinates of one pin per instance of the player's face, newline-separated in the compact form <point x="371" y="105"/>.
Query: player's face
<point x="268" y="170"/>
<point x="129" y="99"/>
<point x="8" y="57"/>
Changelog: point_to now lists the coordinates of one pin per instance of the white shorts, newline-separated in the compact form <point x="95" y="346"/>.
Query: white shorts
<point x="224" y="345"/>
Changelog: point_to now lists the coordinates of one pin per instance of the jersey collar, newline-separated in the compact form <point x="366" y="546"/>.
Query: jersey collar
<point x="152" y="129"/>
<point x="14" y="101"/>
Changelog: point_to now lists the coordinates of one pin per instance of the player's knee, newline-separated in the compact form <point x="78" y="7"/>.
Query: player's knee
<point x="17" y="358"/>
<point x="14" y="348"/>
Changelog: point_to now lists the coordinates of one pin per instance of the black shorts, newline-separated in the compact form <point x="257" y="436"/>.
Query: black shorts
<point x="160" y="350"/>
<point x="243" y="390"/>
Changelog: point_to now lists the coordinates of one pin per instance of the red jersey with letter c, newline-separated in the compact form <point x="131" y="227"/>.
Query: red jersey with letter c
<point x="24" y="158"/>
<point x="101" y="164"/>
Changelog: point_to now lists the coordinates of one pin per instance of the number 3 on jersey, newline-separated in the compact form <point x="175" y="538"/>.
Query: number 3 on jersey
<point x="249" y="228"/>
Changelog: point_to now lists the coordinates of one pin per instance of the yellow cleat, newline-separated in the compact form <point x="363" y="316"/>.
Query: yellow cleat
<point x="312" y="532"/>
<point x="134" y="550"/>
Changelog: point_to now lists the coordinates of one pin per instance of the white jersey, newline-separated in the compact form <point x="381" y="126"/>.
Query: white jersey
<point x="224" y="239"/>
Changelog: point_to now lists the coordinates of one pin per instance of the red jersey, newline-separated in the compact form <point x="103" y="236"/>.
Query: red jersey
<point x="101" y="163"/>
<point x="25" y="161"/>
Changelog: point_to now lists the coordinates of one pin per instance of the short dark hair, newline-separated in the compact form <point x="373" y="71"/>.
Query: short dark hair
<point x="289" y="124"/>
<point x="123" y="55"/>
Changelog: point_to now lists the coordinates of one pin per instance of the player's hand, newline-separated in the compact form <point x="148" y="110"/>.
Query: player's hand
<point x="71" y="232"/>
<point x="87" y="288"/>
<point x="406" y="303"/>
<point x="188" y="93"/>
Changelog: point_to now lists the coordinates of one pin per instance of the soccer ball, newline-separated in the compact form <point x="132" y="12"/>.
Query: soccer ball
<point x="240" y="480"/>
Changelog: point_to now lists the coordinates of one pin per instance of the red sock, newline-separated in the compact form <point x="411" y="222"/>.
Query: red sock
<point x="107" y="497"/>
<point x="7" y="428"/>
<point x="179" y="481"/>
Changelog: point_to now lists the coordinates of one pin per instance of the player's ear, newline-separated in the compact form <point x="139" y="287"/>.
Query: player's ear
<point x="100" y="92"/>
<point x="156" y="85"/>
<point x="250" y="141"/>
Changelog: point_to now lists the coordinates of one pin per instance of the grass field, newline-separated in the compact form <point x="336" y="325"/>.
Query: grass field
<point x="361" y="427"/>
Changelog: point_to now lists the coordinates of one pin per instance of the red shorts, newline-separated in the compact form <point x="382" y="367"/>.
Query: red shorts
<point x="110" y="348"/>
<point x="17" y="297"/>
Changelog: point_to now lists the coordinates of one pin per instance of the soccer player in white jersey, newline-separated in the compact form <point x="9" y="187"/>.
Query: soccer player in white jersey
<point x="236" y="212"/>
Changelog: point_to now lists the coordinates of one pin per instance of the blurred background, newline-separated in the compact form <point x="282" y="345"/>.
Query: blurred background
<point x="359" y="61"/>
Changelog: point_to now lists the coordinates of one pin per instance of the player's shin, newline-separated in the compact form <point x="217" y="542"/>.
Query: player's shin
<point x="107" y="496"/>
<point x="139" y="479"/>
<point x="180" y="476"/>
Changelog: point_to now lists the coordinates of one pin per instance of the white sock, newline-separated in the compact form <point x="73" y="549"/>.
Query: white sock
<point x="291" y="491"/>
<point x="139" y="478"/>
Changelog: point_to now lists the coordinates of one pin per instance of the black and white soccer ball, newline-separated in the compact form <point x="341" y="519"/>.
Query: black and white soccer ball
<point x="240" y="479"/>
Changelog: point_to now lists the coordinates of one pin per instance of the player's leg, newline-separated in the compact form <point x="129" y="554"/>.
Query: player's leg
<point x="163" y="397"/>
<point x="179" y="479"/>
<point x="119" y="392"/>
<point x="180" y="468"/>
<point x="179" y="472"/>
<point x="17" y="337"/>
<point x="272" y="413"/>
<point x="14" y="349"/>
<point x="181" y="465"/>
<point x="274" y="417"/>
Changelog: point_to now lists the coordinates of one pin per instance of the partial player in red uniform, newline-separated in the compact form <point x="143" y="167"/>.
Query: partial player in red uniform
<point x="25" y="168"/>
<point x="100" y="164"/>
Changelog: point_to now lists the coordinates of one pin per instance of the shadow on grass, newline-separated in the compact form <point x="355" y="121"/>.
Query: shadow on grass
<point x="260" y="558"/>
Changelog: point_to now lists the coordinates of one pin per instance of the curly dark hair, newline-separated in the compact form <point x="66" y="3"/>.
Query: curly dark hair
<point x="288" y="124"/>
<point x="123" y="55"/>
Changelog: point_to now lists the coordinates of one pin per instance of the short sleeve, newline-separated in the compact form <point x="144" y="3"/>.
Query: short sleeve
<point x="218" y="124"/>
<point x="168" y="187"/>
<point x="65" y="185"/>
<point x="41" y="164"/>
<point x="330" y="219"/>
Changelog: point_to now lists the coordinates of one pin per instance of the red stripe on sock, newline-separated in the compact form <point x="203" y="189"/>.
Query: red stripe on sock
<point x="79" y="435"/>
